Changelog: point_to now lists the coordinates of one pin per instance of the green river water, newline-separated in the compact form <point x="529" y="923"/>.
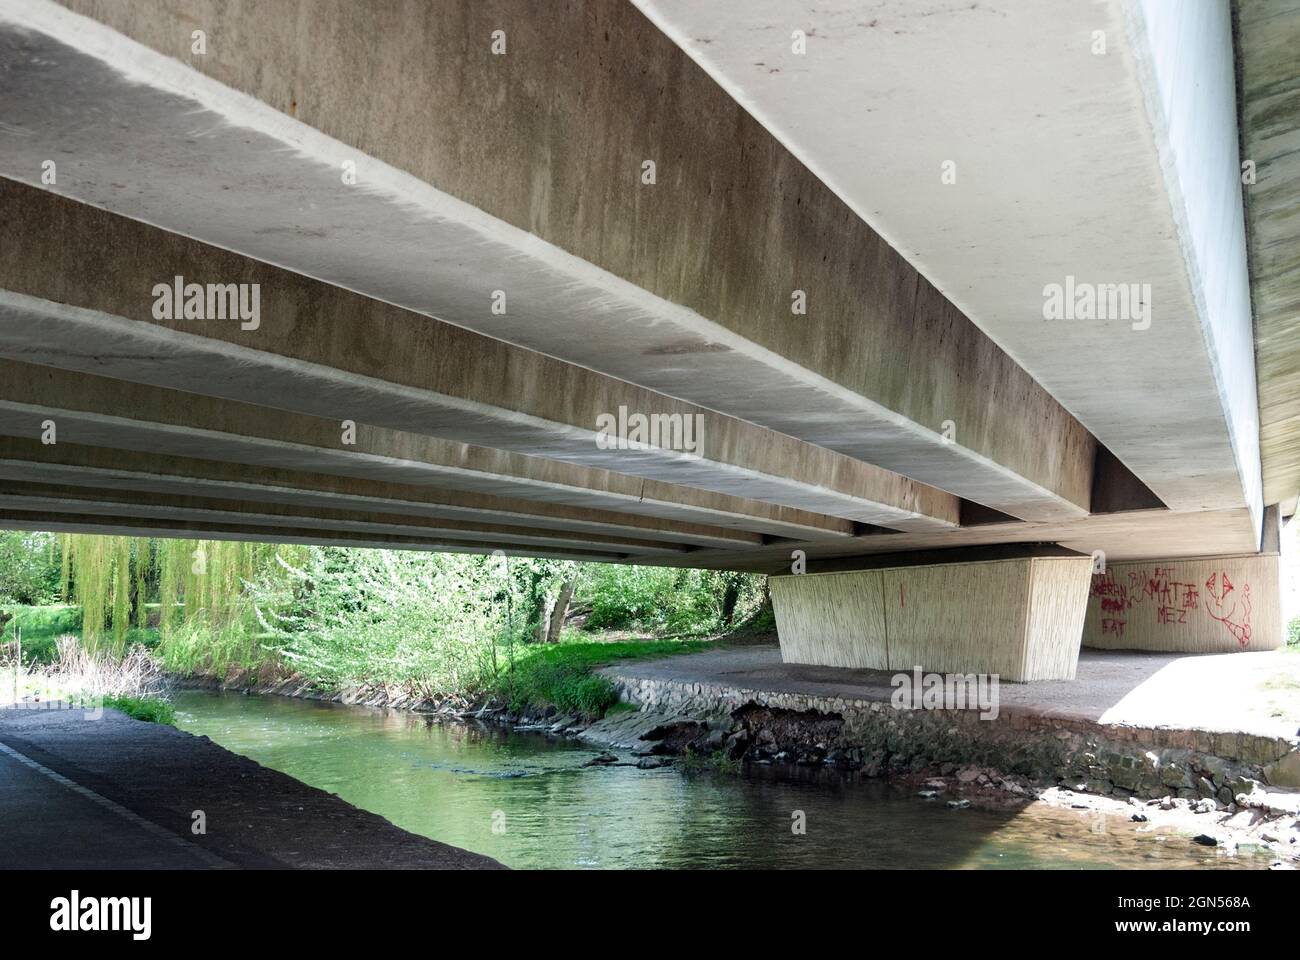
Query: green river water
<point x="526" y="800"/>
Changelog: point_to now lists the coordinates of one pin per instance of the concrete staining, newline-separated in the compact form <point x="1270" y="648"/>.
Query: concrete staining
<point x="1268" y="37"/>
<point x="324" y="351"/>
<point x="464" y="262"/>
<point x="1114" y="167"/>
<point x="261" y="182"/>
<point x="99" y="411"/>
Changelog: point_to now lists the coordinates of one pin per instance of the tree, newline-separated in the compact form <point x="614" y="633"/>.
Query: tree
<point x="29" y="572"/>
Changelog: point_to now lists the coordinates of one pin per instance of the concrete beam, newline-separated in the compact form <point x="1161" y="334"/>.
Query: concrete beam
<point x="73" y="500"/>
<point x="1090" y="141"/>
<point x="684" y="286"/>
<point x="79" y="293"/>
<point x="184" y="530"/>
<point x="1268" y="35"/>
<point x="98" y="411"/>
<point x="29" y="461"/>
<point x="1130" y="535"/>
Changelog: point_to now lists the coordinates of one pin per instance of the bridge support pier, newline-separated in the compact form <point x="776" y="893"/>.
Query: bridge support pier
<point x="1021" y="618"/>
<point x="1206" y="605"/>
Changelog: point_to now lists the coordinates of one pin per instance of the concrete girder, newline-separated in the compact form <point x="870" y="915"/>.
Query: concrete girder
<point x="78" y="293"/>
<point x="1124" y="536"/>
<point x="685" y="287"/>
<point x="1092" y="145"/>
<point x="98" y="411"/>
<point x="1268" y="35"/>
<point x="184" y="529"/>
<point x="29" y="461"/>
<point x="55" y="499"/>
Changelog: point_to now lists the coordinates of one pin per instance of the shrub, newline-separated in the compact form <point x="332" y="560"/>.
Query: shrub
<point x="148" y="709"/>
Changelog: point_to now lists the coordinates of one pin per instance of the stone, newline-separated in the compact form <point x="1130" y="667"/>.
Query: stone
<point x="1284" y="772"/>
<point x="1206" y="840"/>
<point x="959" y="804"/>
<point x="602" y="759"/>
<point x="1172" y="775"/>
<point x="1246" y="785"/>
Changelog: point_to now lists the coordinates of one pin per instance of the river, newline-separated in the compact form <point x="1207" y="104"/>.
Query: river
<point x="528" y="801"/>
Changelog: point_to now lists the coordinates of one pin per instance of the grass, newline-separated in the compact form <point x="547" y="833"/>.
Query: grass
<point x="563" y="674"/>
<point x="148" y="709"/>
<point x="42" y="626"/>
<point x="718" y="762"/>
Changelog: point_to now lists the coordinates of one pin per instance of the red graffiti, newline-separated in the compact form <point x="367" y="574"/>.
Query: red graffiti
<point x="1230" y="608"/>
<point x="1168" y="615"/>
<point x="1172" y="600"/>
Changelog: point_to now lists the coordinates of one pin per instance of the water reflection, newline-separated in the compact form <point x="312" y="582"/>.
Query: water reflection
<point x="528" y="801"/>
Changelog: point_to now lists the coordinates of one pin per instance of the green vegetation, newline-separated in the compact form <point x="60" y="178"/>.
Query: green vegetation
<point x="444" y="626"/>
<point x="40" y="628"/>
<point x="563" y="674"/>
<point x="666" y="600"/>
<point x="29" y="574"/>
<point x="148" y="709"/>
<point x="1293" y="633"/>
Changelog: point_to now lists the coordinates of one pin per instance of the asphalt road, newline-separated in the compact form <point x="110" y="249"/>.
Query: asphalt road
<point x="80" y="791"/>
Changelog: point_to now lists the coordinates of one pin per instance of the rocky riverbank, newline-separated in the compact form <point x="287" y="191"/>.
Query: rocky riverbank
<point x="1211" y="789"/>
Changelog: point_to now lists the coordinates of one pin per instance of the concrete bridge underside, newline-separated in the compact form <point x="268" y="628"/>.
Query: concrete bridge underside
<point x="480" y="232"/>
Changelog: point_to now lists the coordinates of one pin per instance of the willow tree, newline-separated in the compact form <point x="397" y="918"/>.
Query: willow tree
<point x="200" y="583"/>
<point x="100" y="573"/>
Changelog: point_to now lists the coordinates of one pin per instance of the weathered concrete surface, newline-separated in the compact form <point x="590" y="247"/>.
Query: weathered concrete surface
<point x="1111" y="166"/>
<point x="156" y="776"/>
<point x="1268" y="35"/>
<point x="1204" y="605"/>
<point x="1019" y="618"/>
<point x="78" y="293"/>
<point x="1253" y="693"/>
<point x="96" y="469"/>
<point x="175" y="528"/>
<point x="684" y="286"/>
<point x="1130" y="535"/>
<point x="54" y="499"/>
<point x="99" y="411"/>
